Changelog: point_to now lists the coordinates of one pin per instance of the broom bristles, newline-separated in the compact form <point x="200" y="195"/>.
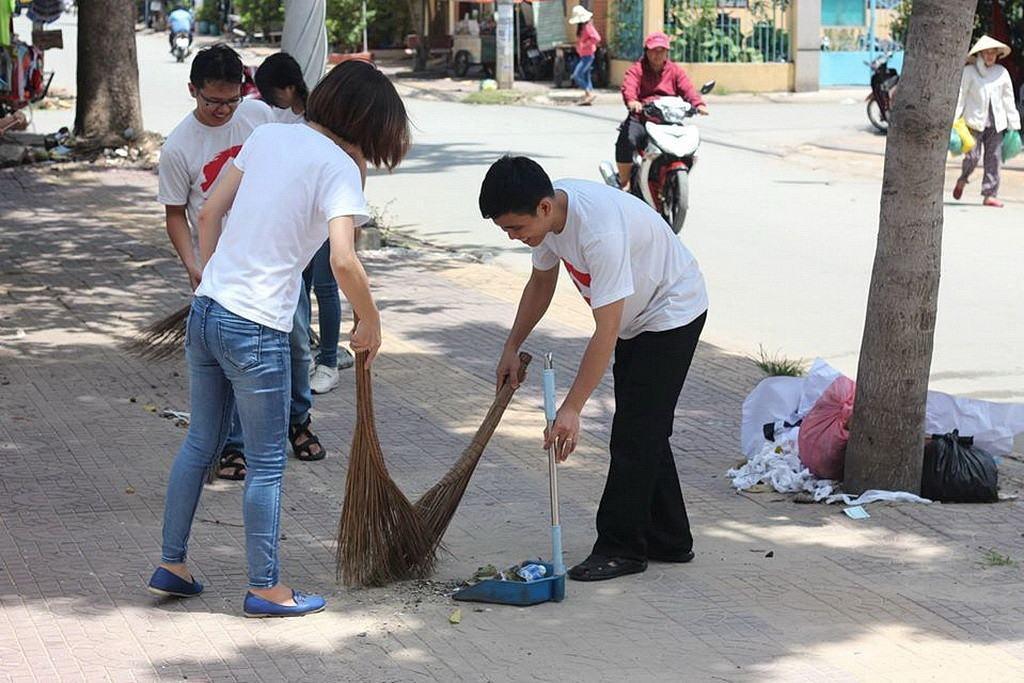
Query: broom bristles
<point x="437" y="506"/>
<point x="382" y="537"/>
<point x="161" y="340"/>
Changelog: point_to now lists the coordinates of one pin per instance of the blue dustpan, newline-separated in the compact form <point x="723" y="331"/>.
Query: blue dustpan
<point x="552" y="587"/>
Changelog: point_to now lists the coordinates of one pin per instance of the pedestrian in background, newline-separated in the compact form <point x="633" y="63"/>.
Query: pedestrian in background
<point x="587" y="40"/>
<point x="988" y="107"/>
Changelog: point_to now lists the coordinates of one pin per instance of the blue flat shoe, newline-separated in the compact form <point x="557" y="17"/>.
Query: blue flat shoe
<point x="257" y="608"/>
<point x="169" y="585"/>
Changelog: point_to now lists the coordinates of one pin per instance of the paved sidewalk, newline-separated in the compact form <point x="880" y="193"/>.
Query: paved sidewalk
<point x="778" y="591"/>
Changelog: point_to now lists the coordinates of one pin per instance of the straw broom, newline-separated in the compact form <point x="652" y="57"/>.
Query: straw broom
<point x="437" y="506"/>
<point x="163" y="339"/>
<point x="381" y="536"/>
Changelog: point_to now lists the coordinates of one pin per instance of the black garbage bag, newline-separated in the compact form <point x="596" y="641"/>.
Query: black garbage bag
<point x="957" y="471"/>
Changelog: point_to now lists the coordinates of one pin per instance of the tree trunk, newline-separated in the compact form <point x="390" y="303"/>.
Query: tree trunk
<point x="108" y="71"/>
<point x="886" y="435"/>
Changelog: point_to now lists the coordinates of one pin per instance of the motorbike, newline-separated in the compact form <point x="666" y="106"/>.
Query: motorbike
<point x="182" y="45"/>
<point x="661" y="171"/>
<point x="883" y="86"/>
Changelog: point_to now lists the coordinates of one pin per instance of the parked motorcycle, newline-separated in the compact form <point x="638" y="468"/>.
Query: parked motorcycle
<point x="182" y="45"/>
<point x="661" y="171"/>
<point x="883" y="87"/>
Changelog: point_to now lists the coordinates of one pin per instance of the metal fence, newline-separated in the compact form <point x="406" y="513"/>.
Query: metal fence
<point x="731" y="31"/>
<point x="628" y="38"/>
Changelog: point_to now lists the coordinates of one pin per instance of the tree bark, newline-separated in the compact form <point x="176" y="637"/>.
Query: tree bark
<point x="886" y="444"/>
<point x="108" y="70"/>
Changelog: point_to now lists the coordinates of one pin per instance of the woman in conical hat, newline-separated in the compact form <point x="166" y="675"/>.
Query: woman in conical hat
<point x="987" y="105"/>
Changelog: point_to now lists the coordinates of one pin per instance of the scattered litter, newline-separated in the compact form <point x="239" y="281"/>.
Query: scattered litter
<point x="770" y="554"/>
<point x="876" y="496"/>
<point x="856" y="512"/>
<point x="456" y="616"/>
<point x="180" y="419"/>
<point x="778" y="464"/>
<point x="129" y="490"/>
<point x="150" y="408"/>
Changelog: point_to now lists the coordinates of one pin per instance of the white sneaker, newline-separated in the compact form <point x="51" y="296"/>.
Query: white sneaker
<point x="323" y="379"/>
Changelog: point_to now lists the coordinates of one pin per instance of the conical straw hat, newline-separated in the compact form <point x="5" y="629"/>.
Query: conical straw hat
<point x="989" y="43"/>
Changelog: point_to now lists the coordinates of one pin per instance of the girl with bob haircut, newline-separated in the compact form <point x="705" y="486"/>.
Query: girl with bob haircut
<point x="288" y="188"/>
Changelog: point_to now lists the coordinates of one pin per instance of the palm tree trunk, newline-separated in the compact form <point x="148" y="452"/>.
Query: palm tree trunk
<point x="886" y="445"/>
<point x="108" y="71"/>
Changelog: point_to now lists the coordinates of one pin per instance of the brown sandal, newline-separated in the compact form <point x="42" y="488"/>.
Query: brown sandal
<point x="231" y="465"/>
<point x="304" y="450"/>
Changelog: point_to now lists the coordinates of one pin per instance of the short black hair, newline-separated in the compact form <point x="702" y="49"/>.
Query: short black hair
<point x="280" y="70"/>
<point x="514" y="185"/>
<point x="216" y="63"/>
<point x="360" y="105"/>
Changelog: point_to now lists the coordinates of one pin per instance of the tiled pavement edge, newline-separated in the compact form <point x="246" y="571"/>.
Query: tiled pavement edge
<point x="83" y="463"/>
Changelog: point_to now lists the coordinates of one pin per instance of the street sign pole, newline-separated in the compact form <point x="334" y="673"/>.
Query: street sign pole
<point x="505" y="45"/>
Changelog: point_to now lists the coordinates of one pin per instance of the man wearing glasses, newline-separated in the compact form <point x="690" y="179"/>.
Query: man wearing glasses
<point x="191" y="162"/>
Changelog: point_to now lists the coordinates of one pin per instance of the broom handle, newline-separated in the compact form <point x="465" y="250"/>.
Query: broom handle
<point x="550" y="413"/>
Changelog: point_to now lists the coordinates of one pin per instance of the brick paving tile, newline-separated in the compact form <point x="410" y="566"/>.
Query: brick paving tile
<point x="83" y="468"/>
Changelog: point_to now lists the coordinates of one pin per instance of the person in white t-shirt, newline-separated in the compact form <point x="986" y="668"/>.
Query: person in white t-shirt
<point x="649" y="304"/>
<point x="281" y="85"/>
<point x="192" y="162"/>
<point x="282" y="208"/>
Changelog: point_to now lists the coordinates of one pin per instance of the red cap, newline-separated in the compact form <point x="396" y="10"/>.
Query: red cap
<point x="655" y="40"/>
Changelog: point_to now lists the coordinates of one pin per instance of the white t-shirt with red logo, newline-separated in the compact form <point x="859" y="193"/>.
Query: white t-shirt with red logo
<point x="279" y="219"/>
<point x="194" y="155"/>
<point x="616" y="247"/>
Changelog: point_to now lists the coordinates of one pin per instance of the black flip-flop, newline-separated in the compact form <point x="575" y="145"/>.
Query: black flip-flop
<point x="598" y="568"/>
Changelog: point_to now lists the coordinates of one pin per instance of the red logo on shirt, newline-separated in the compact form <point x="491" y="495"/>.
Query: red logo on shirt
<point x="580" y="279"/>
<point x="212" y="169"/>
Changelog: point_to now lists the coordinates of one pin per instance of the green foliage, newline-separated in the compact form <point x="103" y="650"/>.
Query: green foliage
<point x="627" y="39"/>
<point x="993" y="558"/>
<point x="702" y="32"/>
<point x="493" y="97"/>
<point x="261" y="15"/>
<point x="778" y="365"/>
<point x="901" y="22"/>
<point x="208" y="12"/>
<point x="345" y="23"/>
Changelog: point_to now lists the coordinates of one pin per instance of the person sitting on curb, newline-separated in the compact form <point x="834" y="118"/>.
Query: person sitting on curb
<point x="191" y="164"/>
<point x="649" y="305"/>
<point x="654" y="75"/>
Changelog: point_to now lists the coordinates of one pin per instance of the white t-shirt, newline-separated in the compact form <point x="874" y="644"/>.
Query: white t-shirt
<point x="195" y="154"/>
<point x="616" y="247"/>
<point x="294" y="181"/>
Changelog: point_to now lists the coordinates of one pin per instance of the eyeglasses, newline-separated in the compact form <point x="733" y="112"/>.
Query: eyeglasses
<point x="217" y="104"/>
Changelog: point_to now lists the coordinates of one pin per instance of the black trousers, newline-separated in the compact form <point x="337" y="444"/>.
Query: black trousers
<point x="632" y="136"/>
<point x="642" y="514"/>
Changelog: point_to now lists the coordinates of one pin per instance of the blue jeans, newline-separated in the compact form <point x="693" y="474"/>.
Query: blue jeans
<point x="302" y="395"/>
<point x="233" y="362"/>
<point x="581" y="74"/>
<point x="320" y="277"/>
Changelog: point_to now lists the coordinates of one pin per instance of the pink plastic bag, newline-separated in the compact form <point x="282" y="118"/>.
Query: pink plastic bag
<point x="823" y="433"/>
